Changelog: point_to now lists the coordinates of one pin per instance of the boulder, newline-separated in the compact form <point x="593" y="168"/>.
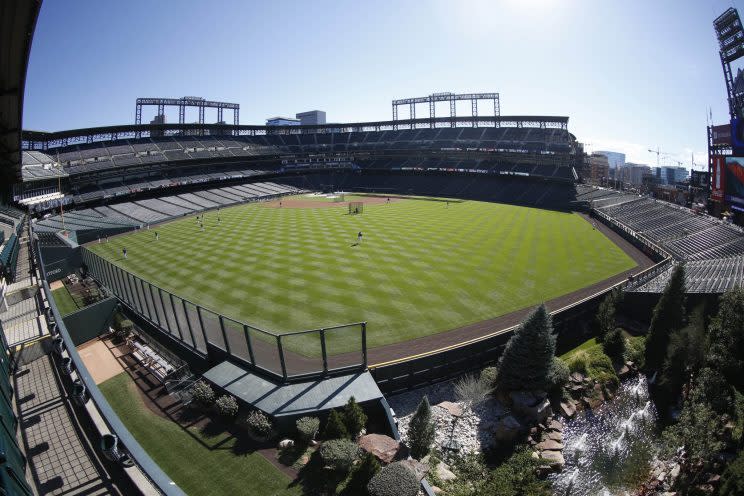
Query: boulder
<point x="286" y="443"/>
<point x="506" y="429"/>
<point x="416" y="467"/>
<point x="444" y="473"/>
<point x="549" y="445"/>
<point x="554" y="459"/>
<point x="568" y="409"/>
<point x="384" y="448"/>
<point x="555" y="425"/>
<point x="453" y="408"/>
<point x="576" y="377"/>
<point x="437" y="490"/>
<point x="532" y="405"/>
<point x="554" y="436"/>
<point x="623" y="372"/>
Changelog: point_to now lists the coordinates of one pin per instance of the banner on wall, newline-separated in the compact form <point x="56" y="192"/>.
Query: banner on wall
<point x="719" y="178"/>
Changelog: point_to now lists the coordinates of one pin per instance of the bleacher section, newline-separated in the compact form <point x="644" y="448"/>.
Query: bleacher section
<point x="713" y="251"/>
<point x="125" y="216"/>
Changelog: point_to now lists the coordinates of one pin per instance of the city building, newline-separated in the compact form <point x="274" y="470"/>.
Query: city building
<point x="599" y="168"/>
<point x="671" y="175"/>
<point x="282" y="121"/>
<point x="311" y="117"/>
<point x="633" y="173"/>
<point x="158" y="119"/>
<point x="616" y="162"/>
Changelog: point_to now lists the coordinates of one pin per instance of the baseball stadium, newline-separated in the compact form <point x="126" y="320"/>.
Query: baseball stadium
<point x="293" y="270"/>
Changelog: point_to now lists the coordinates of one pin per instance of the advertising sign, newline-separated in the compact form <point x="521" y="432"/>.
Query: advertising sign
<point x="719" y="179"/>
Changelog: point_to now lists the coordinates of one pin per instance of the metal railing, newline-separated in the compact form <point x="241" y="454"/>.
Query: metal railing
<point x="287" y="356"/>
<point x="151" y="470"/>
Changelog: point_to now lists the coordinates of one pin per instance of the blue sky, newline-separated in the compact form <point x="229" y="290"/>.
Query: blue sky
<point x="631" y="75"/>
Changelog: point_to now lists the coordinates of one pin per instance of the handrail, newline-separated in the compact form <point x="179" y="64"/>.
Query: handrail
<point x="152" y="470"/>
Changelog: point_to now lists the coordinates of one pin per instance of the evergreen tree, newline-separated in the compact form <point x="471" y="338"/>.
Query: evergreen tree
<point x="360" y="477"/>
<point x="614" y="345"/>
<point x="528" y="358"/>
<point x="335" y="428"/>
<point x="421" y="430"/>
<point x="606" y="313"/>
<point x="354" y="418"/>
<point x="726" y="352"/>
<point x="668" y="317"/>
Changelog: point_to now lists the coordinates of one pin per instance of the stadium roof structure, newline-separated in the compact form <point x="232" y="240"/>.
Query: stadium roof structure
<point x="42" y="140"/>
<point x="17" y="23"/>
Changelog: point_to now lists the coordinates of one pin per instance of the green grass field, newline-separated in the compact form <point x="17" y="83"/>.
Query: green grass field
<point x="423" y="267"/>
<point x="209" y="463"/>
<point x="65" y="304"/>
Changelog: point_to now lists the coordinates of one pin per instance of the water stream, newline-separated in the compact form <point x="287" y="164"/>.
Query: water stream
<point x="608" y="451"/>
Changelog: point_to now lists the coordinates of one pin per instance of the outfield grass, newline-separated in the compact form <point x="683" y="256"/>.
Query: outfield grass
<point x="199" y="463"/>
<point x="423" y="267"/>
<point x="65" y="304"/>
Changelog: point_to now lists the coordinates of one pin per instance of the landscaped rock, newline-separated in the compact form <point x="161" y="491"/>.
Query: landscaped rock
<point x="384" y="448"/>
<point x="623" y="372"/>
<point x="576" y="377"/>
<point x="453" y="408"/>
<point x="506" y="429"/>
<point x="549" y="445"/>
<point x="533" y="405"/>
<point x="444" y="473"/>
<point x="437" y="490"/>
<point x="416" y="467"/>
<point x="555" y="459"/>
<point x="286" y="443"/>
<point x="555" y="425"/>
<point x="568" y="409"/>
<point x="554" y="436"/>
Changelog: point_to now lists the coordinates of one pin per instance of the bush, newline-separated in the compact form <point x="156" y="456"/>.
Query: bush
<point x="354" y="418"/>
<point x="488" y="376"/>
<point x="394" y="480"/>
<point x="307" y="428"/>
<point x="335" y="427"/>
<point x="363" y="473"/>
<point x="593" y="363"/>
<point x="614" y="345"/>
<point x="259" y="424"/>
<point x="471" y="390"/>
<point x="635" y="348"/>
<point x="339" y="454"/>
<point x="421" y="430"/>
<point x="558" y="376"/>
<point x="227" y="406"/>
<point x="202" y="393"/>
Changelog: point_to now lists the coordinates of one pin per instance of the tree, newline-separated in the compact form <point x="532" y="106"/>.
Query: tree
<point x="697" y="431"/>
<point x="668" y="317"/>
<point x="606" y="313"/>
<point x="421" y="430"/>
<point x="528" y="357"/>
<point x="335" y="427"/>
<point x="732" y="480"/>
<point x="354" y="418"/>
<point x="614" y="345"/>
<point x="726" y="352"/>
<point x="360" y="477"/>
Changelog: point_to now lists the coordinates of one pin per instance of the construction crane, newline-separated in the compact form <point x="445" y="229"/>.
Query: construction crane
<point x="659" y="154"/>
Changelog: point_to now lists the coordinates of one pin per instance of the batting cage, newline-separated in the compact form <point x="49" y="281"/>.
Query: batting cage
<point x="356" y="208"/>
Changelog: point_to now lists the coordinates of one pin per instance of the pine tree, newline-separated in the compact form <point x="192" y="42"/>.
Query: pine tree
<point x="354" y="418"/>
<point x="606" y="313"/>
<point x="421" y="430"/>
<point x="726" y="352"/>
<point x="528" y="357"/>
<point x="668" y="317"/>
<point x="367" y="468"/>
<point x="335" y="428"/>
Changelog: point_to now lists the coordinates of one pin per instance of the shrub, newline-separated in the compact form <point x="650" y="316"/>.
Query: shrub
<point x="394" y="480"/>
<point x="339" y="454"/>
<point x="259" y="424"/>
<point x="227" y="406"/>
<point x="307" y="428"/>
<point x="558" y="376"/>
<point x="421" y="430"/>
<point x="614" y="345"/>
<point x="362" y="474"/>
<point x="202" y="393"/>
<point x="488" y="376"/>
<point x="593" y="363"/>
<point x="471" y="390"/>
<point x="635" y="348"/>
<point x="335" y="427"/>
<point x="606" y="313"/>
<point x="354" y="418"/>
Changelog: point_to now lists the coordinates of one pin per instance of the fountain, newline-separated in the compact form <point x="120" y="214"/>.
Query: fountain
<point x="610" y="449"/>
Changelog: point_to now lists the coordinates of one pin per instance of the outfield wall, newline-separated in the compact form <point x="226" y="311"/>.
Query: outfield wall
<point x="215" y="337"/>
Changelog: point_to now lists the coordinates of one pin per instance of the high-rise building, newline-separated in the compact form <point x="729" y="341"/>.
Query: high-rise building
<point x="311" y="117"/>
<point x="671" y="175"/>
<point x="599" y="168"/>
<point x="634" y="173"/>
<point x="616" y="161"/>
<point x="158" y="119"/>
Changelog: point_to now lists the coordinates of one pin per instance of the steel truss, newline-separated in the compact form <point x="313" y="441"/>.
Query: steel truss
<point x="452" y="98"/>
<point x="182" y="103"/>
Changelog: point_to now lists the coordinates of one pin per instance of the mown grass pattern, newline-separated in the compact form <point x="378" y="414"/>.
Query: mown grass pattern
<point x="423" y="267"/>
